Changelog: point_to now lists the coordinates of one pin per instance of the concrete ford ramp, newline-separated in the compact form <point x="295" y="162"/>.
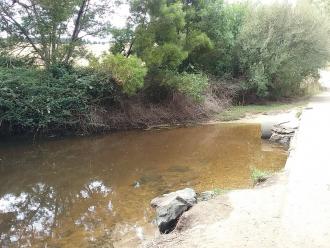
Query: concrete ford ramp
<point x="292" y="210"/>
<point x="305" y="216"/>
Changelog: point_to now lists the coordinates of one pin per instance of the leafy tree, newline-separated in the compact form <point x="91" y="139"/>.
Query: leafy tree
<point x="184" y="35"/>
<point x="158" y="41"/>
<point x="51" y="31"/>
<point x="165" y="35"/>
<point x="280" y="45"/>
<point x="221" y="23"/>
<point x="123" y="40"/>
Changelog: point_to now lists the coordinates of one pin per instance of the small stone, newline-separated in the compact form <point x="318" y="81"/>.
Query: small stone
<point x="136" y="184"/>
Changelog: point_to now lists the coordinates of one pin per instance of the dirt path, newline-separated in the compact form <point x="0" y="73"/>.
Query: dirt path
<point x="291" y="210"/>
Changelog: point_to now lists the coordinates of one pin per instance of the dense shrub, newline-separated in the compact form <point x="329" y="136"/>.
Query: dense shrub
<point x="30" y="100"/>
<point x="168" y="56"/>
<point x="280" y="45"/>
<point x="128" y="73"/>
<point x="12" y="62"/>
<point x="192" y="85"/>
<point x="35" y="100"/>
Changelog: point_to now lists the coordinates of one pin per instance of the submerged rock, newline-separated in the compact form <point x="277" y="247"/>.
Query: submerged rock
<point x="136" y="184"/>
<point x="169" y="207"/>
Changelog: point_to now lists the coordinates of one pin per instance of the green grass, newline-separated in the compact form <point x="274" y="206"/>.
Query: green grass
<point x="259" y="176"/>
<point x="238" y="112"/>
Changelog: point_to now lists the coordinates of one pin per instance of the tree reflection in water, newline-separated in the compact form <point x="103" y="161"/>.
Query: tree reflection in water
<point x="36" y="214"/>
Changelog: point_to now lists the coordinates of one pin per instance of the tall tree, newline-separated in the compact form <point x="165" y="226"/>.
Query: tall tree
<point x="51" y="31"/>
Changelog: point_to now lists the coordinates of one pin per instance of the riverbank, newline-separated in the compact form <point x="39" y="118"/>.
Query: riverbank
<point x="289" y="210"/>
<point x="139" y="117"/>
<point x="267" y="116"/>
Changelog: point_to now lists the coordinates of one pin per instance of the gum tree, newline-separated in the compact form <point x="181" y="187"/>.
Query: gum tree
<point x="51" y="31"/>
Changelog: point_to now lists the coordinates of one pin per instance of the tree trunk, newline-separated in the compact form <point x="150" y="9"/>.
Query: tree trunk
<point x="76" y="31"/>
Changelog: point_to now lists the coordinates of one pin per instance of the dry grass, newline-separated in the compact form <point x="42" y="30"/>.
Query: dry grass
<point x="139" y="112"/>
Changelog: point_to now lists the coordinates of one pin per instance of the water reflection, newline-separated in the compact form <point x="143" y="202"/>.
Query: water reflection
<point x="29" y="214"/>
<point x="34" y="214"/>
<point x="92" y="191"/>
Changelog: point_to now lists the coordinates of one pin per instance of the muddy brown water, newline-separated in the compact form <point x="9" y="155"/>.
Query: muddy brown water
<point x="95" y="191"/>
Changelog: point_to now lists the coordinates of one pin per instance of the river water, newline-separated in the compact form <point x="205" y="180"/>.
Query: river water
<point x="95" y="191"/>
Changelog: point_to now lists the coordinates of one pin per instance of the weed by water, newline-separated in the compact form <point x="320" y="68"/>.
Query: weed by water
<point x="259" y="176"/>
<point x="298" y="114"/>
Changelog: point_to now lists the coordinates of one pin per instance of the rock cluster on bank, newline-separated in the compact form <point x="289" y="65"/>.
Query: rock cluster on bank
<point x="279" y="131"/>
<point x="283" y="133"/>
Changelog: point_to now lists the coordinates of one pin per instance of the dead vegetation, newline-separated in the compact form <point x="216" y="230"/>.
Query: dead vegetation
<point x="137" y="112"/>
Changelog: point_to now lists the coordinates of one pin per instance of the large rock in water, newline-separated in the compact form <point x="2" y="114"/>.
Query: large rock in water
<point x="169" y="208"/>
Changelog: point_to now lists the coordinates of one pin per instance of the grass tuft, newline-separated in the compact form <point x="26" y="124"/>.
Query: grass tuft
<point x="259" y="176"/>
<point x="298" y="114"/>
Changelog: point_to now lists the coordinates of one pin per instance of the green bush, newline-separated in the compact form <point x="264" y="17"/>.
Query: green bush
<point x="189" y="84"/>
<point x="30" y="100"/>
<point x="33" y="99"/>
<point x="168" y="56"/>
<point x="128" y="73"/>
<point x="280" y="45"/>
